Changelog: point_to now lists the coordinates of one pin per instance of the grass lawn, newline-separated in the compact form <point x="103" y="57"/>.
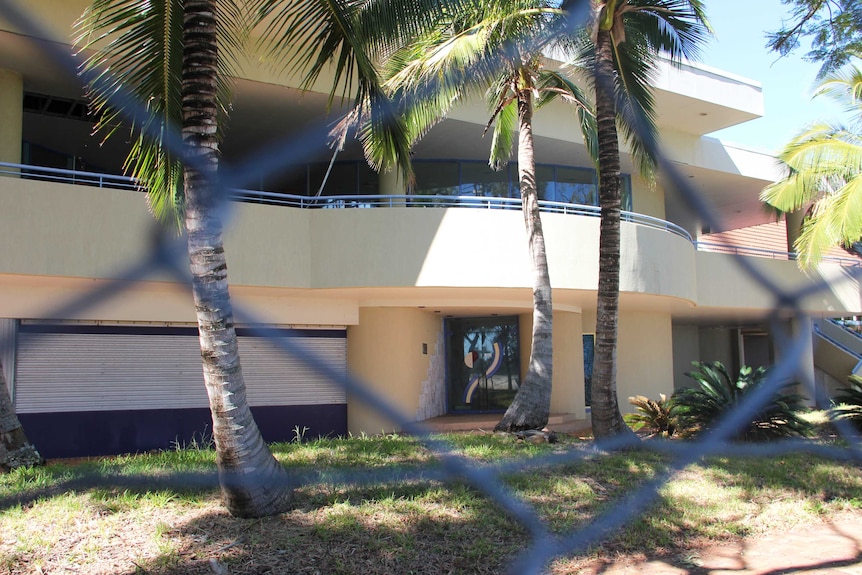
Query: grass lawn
<point x="160" y="514"/>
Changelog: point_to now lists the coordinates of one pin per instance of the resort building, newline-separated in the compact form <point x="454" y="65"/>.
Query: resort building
<point x="426" y="298"/>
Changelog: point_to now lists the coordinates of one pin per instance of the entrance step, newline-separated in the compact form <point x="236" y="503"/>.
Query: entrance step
<point x="559" y="422"/>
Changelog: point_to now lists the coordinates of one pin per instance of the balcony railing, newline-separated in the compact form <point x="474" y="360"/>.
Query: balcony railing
<point x="66" y="176"/>
<point x="343" y="202"/>
<point x="764" y="253"/>
<point x="405" y="201"/>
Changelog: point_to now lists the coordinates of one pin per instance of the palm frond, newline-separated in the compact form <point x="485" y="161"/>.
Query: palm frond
<point x="553" y="84"/>
<point x="718" y="394"/>
<point x="656" y="417"/>
<point x="823" y="169"/>
<point x="131" y="54"/>
<point x="505" y="132"/>
<point x="635" y="66"/>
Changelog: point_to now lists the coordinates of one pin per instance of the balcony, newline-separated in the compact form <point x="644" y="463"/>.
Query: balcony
<point x="88" y="225"/>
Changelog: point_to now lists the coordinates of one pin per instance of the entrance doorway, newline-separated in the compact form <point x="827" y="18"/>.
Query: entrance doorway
<point x="483" y="363"/>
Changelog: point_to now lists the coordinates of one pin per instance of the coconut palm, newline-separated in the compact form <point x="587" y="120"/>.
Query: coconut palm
<point x="824" y="175"/>
<point x="350" y="38"/>
<point x="628" y="38"/>
<point x="167" y="55"/>
<point x="496" y="46"/>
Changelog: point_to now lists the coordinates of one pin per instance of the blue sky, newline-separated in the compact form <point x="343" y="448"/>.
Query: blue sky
<point x="787" y="82"/>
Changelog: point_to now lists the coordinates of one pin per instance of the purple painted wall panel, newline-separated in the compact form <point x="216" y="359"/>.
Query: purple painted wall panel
<point x="83" y="434"/>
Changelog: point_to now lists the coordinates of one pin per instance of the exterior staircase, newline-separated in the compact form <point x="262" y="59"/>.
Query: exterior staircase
<point x="837" y="353"/>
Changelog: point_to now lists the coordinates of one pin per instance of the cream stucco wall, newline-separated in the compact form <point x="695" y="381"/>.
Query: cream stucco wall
<point x="722" y="282"/>
<point x="567" y="392"/>
<point x="644" y="356"/>
<point x="385" y="351"/>
<point x="79" y="231"/>
<point x="567" y="381"/>
<point x="62" y="230"/>
<point x="647" y="200"/>
<point x="67" y="230"/>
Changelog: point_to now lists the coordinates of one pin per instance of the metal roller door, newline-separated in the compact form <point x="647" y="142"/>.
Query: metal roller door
<point x="75" y="368"/>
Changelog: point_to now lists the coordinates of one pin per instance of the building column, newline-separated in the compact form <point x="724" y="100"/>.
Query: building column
<point x="793" y="223"/>
<point x="391" y="182"/>
<point x="11" y="115"/>
<point x="802" y="327"/>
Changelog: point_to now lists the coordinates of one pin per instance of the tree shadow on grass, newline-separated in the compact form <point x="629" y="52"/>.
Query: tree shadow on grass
<point x="379" y="530"/>
<point x="408" y="520"/>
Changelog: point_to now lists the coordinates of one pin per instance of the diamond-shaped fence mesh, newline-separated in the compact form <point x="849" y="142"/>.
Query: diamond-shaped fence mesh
<point x="167" y="257"/>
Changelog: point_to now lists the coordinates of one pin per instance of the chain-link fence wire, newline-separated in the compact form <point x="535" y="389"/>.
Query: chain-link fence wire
<point x="168" y="254"/>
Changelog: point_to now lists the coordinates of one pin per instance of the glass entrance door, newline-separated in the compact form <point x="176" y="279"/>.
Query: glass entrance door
<point x="484" y="364"/>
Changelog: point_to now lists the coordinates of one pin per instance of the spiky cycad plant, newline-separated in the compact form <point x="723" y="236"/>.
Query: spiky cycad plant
<point x="847" y="404"/>
<point x="700" y="408"/>
<point x="656" y="418"/>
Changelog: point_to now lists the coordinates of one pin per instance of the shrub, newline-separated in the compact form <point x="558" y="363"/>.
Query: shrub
<point x="717" y="394"/>
<point x="654" y="417"/>
<point x="847" y="404"/>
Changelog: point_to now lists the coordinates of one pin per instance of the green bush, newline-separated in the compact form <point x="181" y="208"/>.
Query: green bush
<point x="656" y="418"/>
<point x="717" y="394"/>
<point x="847" y="404"/>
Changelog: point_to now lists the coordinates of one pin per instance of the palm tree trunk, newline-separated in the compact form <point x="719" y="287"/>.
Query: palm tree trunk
<point x="253" y="483"/>
<point x="15" y="450"/>
<point x="532" y="404"/>
<point x="605" y="412"/>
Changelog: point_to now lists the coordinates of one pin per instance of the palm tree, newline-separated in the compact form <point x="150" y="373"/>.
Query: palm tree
<point x="628" y="37"/>
<point x="498" y="44"/>
<point x="824" y="175"/>
<point x="151" y="46"/>
<point x="15" y="450"/>
<point x="350" y="38"/>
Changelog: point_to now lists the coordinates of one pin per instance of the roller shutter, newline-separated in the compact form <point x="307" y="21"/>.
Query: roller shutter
<point x="99" y="368"/>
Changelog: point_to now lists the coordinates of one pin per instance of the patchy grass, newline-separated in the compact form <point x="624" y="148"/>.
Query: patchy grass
<point x="129" y="514"/>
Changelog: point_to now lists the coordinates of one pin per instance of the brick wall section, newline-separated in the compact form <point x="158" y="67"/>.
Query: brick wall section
<point x="770" y="236"/>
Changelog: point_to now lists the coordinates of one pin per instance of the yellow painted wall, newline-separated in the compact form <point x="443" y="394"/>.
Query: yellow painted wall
<point x="270" y="246"/>
<point x="66" y="230"/>
<point x="385" y="351"/>
<point x="721" y="282"/>
<point x="567" y="393"/>
<point x="54" y="229"/>
<point x="79" y="231"/>
<point x="567" y="382"/>
<point x="644" y="356"/>
<point x="486" y="248"/>
<point x="646" y="200"/>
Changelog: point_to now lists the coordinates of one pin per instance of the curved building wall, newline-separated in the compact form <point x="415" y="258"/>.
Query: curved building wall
<point x="66" y="233"/>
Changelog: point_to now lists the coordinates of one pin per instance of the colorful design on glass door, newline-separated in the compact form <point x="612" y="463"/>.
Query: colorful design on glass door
<point x="474" y="359"/>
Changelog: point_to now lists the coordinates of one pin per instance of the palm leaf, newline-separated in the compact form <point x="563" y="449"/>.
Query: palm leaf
<point x="718" y="393"/>
<point x="823" y="167"/>
<point x="131" y="53"/>
<point x="552" y="84"/>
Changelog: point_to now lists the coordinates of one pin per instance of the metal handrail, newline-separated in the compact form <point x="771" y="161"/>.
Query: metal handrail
<point x="819" y="331"/>
<point x="765" y="253"/>
<point x="422" y="201"/>
<point x="347" y="201"/>
<point x="97" y="179"/>
<point x="843" y="324"/>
